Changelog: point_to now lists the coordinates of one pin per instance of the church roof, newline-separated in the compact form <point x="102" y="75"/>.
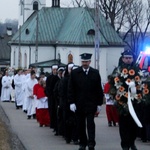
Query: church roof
<point x="47" y="64"/>
<point x="65" y="26"/>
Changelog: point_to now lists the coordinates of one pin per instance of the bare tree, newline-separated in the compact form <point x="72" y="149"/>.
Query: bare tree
<point x="130" y="16"/>
<point x="137" y="24"/>
<point x="78" y="3"/>
<point x="114" y="11"/>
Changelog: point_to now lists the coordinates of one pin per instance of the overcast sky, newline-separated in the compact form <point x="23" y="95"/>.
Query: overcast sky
<point x="9" y="8"/>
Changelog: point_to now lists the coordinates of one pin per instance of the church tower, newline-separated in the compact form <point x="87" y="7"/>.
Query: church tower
<point x="27" y="7"/>
<point x="55" y="3"/>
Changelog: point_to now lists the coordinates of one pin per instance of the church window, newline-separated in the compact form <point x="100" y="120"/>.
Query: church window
<point x="27" y="31"/>
<point x="35" y="5"/>
<point x="70" y="58"/>
<point x="91" y="32"/>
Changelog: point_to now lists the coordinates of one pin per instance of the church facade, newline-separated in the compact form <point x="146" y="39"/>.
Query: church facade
<point x="62" y="34"/>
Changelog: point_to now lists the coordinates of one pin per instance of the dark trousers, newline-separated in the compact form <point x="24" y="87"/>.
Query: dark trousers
<point x="52" y="111"/>
<point x="71" y="126"/>
<point x="86" y="121"/>
<point x="128" y="130"/>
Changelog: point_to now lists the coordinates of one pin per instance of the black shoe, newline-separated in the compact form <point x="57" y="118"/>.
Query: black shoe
<point x="133" y="147"/>
<point x="68" y="141"/>
<point x="91" y="148"/>
<point x="125" y="148"/>
<point x="144" y="140"/>
<point x="34" y="116"/>
<point x="56" y="134"/>
<point x="29" y="117"/>
<point x="40" y="125"/>
<point x="75" y="142"/>
<point x="114" y="124"/>
<point x="25" y="111"/>
<point x="109" y="124"/>
<point x="82" y="147"/>
<point x="17" y="107"/>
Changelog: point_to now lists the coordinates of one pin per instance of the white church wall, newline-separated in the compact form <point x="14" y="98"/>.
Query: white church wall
<point x="65" y="51"/>
<point x="113" y="55"/>
<point x="108" y="58"/>
<point x="45" y="53"/>
<point x="14" y="56"/>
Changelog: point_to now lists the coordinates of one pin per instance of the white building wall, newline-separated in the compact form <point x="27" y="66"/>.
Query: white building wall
<point x="28" y="9"/>
<point x="113" y="55"/>
<point x="109" y="58"/>
<point x="44" y="54"/>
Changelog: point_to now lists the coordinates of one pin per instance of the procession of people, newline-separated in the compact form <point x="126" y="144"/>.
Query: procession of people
<point x="67" y="100"/>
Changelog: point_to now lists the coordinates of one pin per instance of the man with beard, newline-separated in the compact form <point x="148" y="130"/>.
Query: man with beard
<point x="85" y="96"/>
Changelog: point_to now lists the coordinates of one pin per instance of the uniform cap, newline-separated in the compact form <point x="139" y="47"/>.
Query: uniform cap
<point x="127" y="53"/>
<point x="86" y="57"/>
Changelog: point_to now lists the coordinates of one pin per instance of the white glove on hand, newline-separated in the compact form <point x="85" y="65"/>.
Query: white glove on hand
<point x="73" y="107"/>
<point x="99" y="109"/>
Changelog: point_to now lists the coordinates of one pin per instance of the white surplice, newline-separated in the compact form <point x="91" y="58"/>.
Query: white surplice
<point x="29" y="92"/>
<point x="25" y="78"/>
<point x="6" y="88"/>
<point x="18" y="89"/>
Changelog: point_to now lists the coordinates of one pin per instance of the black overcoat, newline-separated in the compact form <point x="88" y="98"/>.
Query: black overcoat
<point x="85" y="90"/>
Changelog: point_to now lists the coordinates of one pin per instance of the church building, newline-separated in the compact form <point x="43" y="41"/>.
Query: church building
<point x="56" y="35"/>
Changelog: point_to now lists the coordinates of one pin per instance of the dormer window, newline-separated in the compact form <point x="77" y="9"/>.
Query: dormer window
<point x="91" y="32"/>
<point x="27" y="31"/>
<point x="35" y="5"/>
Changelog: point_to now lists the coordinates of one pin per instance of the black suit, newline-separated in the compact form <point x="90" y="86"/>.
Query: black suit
<point x="86" y="92"/>
<point x="50" y="84"/>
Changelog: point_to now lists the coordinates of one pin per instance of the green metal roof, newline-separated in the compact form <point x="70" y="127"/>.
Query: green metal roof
<point x="47" y="64"/>
<point x="66" y="26"/>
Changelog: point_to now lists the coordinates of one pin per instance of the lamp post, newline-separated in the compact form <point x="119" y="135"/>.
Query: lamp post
<point x="19" y="52"/>
<point x="97" y="37"/>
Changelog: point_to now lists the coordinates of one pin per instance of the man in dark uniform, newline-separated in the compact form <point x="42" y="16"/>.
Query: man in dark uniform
<point x="127" y="126"/>
<point x="85" y="96"/>
<point x="50" y="84"/>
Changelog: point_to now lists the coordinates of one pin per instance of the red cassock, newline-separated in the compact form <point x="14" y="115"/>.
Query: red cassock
<point x="35" y="90"/>
<point x="111" y="111"/>
<point x="42" y="113"/>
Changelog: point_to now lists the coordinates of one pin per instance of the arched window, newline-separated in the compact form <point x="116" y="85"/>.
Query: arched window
<point x="14" y="58"/>
<point x="70" y="58"/>
<point x="91" y="32"/>
<point x="35" y="6"/>
<point x="25" y="60"/>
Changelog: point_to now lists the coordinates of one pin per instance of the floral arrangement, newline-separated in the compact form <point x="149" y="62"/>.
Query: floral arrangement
<point x="122" y="77"/>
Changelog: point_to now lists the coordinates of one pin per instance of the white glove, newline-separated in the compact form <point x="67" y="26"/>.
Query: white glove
<point x="99" y="109"/>
<point x="73" y="107"/>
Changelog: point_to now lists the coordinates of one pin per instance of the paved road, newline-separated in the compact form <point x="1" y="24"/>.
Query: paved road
<point x="36" y="138"/>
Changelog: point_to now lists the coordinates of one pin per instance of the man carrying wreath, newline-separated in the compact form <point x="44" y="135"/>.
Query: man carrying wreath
<point x="126" y="90"/>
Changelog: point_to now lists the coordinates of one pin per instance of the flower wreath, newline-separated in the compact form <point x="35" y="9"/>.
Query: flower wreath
<point x="122" y="77"/>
